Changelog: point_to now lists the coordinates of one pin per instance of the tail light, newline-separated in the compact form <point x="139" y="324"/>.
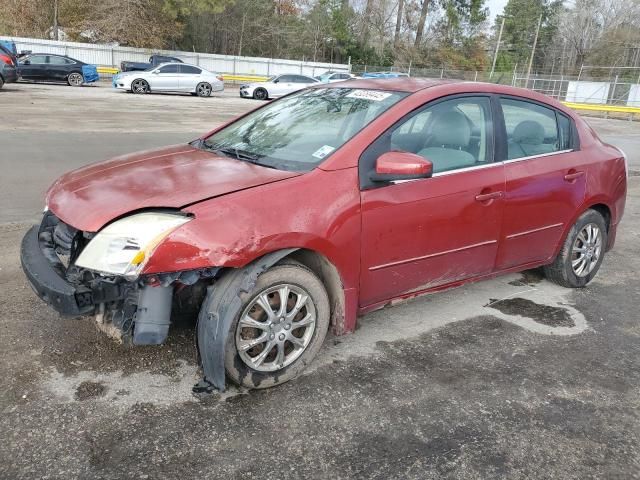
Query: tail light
<point x="6" y="59"/>
<point x="220" y="77"/>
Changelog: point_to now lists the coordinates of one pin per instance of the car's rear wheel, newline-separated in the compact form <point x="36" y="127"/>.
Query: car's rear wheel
<point x="203" y="89"/>
<point x="1" y="82"/>
<point x="75" y="79"/>
<point x="279" y="329"/>
<point x="582" y="252"/>
<point x="260" y="94"/>
<point x="140" y="85"/>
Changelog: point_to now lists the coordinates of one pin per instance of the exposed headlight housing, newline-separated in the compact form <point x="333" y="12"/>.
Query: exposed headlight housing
<point x="123" y="247"/>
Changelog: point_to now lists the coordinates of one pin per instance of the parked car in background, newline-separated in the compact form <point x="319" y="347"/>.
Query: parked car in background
<point x="329" y="203"/>
<point x="276" y="86"/>
<point x="154" y="61"/>
<point x="384" y="75"/>
<point x="8" y="65"/>
<point x="330" y="77"/>
<point x="170" y="77"/>
<point x="47" y="67"/>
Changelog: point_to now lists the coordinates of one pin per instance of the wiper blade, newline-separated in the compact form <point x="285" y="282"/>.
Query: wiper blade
<point x="236" y="153"/>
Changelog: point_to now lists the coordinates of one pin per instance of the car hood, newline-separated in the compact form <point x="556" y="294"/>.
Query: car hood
<point x="171" y="177"/>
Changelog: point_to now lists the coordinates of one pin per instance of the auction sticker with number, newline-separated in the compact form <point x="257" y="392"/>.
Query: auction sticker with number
<point x="374" y="95"/>
<point x="323" y="151"/>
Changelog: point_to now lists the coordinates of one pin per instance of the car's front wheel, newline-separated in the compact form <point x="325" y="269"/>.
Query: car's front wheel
<point x="279" y="328"/>
<point x="260" y="94"/>
<point x="582" y="252"/>
<point x="139" y="86"/>
<point x="75" y="79"/>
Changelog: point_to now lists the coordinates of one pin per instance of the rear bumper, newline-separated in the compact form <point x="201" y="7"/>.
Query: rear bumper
<point x="56" y="291"/>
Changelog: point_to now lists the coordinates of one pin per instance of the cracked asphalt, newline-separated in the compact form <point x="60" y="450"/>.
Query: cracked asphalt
<point x="508" y="378"/>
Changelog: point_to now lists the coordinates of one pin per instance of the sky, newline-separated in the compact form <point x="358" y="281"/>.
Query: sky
<point x="495" y="8"/>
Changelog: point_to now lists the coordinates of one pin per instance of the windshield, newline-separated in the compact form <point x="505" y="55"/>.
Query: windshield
<point x="298" y="132"/>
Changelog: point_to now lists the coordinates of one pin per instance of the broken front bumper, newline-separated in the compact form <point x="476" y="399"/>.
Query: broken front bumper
<point x="56" y="291"/>
<point x="50" y="285"/>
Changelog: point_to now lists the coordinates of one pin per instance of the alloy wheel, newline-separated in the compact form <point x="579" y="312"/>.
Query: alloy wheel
<point x="204" y="90"/>
<point x="275" y="328"/>
<point x="586" y="250"/>
<point x="75" y="79"/>
<point x="139" y="86"/>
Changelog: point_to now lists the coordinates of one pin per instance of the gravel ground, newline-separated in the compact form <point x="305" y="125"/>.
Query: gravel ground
<point x="508" y="378"/>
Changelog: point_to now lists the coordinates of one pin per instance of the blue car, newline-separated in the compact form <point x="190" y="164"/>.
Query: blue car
<point x="384" y="75"/>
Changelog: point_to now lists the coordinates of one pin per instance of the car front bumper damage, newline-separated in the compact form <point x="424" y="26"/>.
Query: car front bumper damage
<point x="132" y="311"/>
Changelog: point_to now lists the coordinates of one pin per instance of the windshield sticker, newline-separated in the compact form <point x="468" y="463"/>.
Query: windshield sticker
<point x="323" y="151"/>
<point x="374" y="95"/>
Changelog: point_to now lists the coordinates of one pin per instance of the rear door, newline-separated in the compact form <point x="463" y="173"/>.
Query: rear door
<point x="545" y="181"/>
<point x="58" y="68"/>
<point x="424" y="233"/>
<point x="190" y="76"/>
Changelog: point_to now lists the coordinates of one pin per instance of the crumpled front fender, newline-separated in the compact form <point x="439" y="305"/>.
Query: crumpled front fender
<point x="218" y="311"/>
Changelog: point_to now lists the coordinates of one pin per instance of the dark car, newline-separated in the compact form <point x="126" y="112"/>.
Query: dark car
<point x="324" y="205"/>
<point x="8" y="71"/>
<point x="154" y="61"/>
<point x="55" y="68"/>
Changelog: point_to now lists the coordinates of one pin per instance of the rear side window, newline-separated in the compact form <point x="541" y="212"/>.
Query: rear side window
<point x="190" y="69"/>
<point x="533" y="129"/>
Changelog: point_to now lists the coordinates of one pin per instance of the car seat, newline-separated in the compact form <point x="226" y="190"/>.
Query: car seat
<point x="450" y="135"/>
<point x="527" y="140"/>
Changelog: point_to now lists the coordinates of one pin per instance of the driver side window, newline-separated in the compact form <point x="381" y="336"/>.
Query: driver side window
<point x="452" y="134"/>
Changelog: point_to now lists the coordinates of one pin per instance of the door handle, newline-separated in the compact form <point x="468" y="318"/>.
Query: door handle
<point x="572" y="175"/>
<point x="485" y="197"/>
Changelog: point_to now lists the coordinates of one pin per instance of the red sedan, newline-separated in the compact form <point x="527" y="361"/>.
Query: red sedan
<point x="321" y="206"/>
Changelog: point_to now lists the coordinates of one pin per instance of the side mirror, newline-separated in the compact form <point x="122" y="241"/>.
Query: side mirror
<point x="276" y="80"/>
<point x="397" y="165"/>
<point x="156" y="72"/>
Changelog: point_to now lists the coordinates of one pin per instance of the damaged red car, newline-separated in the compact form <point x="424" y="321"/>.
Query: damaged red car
<point x="330" y="202"/>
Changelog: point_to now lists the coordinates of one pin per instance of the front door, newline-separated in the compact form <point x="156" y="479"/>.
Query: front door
<point x="424" y="233"/>
<point x="33" y="67"/>
<point x="545" y="184"/>
<point x="167" y="78"/>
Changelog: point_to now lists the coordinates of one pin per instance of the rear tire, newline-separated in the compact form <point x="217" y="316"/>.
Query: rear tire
<point x="204" y="89"/>
<point x="260" y="94"/>
<point x="75" y="79"/>
<point x="302" y="285"/>
<point x="582" y="252"/>
<point x="1" y="82"/>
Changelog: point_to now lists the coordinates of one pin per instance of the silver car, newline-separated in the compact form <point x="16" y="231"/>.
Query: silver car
<point x="170" y="77"/>
<point x="276" y="86"/>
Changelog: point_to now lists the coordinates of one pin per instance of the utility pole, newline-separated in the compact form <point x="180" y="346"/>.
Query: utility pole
<point x="55" y="19"/>
<point x="495" y="55"/>
<point x="533" y="50"/>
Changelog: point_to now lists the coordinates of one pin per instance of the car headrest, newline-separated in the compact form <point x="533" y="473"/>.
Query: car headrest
<point x="529" y="132"/>
<point x="451" y="128"/>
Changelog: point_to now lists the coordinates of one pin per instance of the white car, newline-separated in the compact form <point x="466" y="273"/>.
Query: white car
<point x="276" y="86"/>
<point x="170" y="77"/>
<point x="332" y="77"/>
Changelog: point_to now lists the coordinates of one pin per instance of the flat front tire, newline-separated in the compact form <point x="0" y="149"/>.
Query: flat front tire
<point x="582" y="252"/>
<point x="279" y="329"/>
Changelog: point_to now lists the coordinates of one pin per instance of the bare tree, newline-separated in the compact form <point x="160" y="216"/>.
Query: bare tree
<point x="423" y="18"/>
